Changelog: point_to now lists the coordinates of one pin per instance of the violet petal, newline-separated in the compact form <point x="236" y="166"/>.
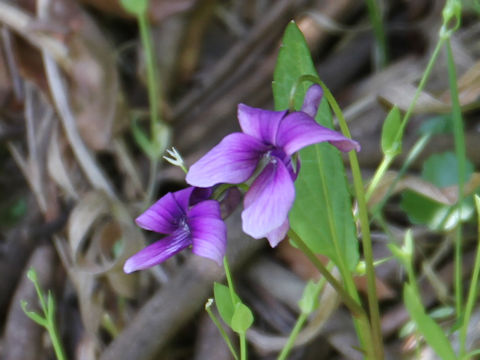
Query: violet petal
<point x="312" y="100"/>
<point x="209" y="232"/>
<point x="232" y="161"/>
<point x="162" y="216"/>
<point x="158" y="252"/>
<point x="278" y="234"/>
<point x="259" y="123"/>
<point x="298" y="130"/>
<point x="268" y="201"/>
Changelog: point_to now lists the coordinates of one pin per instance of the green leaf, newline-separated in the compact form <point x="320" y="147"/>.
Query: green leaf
<point x="321" y="214"/>
<point x="33" y="315"/>
<point x="135" y="7"/>
<point x="223" y="299"/>
<point x="441" y="169"/>
<point x="142" y="139"/>
<point x="390" y="129"/>
<point x="433" y="334"/>
<point x="293" y="61"/>
<point x="441" y="124"/>
<point x="424" y="211"/>
<point x="242" y="318"/>
<point x="309" y="301"/>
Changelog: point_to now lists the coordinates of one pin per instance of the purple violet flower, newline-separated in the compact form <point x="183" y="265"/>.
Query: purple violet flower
<point x="266" y="146"/>
<point x="189" y="220"/>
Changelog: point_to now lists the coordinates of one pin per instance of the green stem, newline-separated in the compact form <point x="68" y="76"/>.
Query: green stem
<point x="153" y="97"/>
<point x="472" y="295"/>
<point x="459" y="137"/>
<point x="379" y="31"/>
<point x="228" y="275"/>
<point x="57" y="346"/>
<point x="412" y="155"/>
<point x="359" y="315"/>
<point x="382" y="169"/>
<point x="363" y="213"/>
<point x="384" y="165"/>
<point x="350" y="302"/>
<point x="243" y="346"/>
<point x="302" y="318"/>
<point x="365" y="226"/>
<point x="222" y="330"/>
<point x="293" y="335"/>
<point x="152" y="77"/>
<point x="152" y="182"/>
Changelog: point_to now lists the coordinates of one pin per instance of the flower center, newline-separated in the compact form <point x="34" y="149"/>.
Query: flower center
<point x="183" y="225"/>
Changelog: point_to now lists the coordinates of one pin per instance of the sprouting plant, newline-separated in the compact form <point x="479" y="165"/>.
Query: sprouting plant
<point x="47" y="319"/>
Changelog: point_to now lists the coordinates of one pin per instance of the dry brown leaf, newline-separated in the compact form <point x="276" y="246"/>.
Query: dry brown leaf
<point x="402" y="94"/>
<point x="384" y="291"/>
<point x="469" y="85"/>
<point x="5" y="83"/>
<point x="59" y="169"/>
<point x="94" y="85"/>
<point x="97" y="226"/>
<point x="90" y="295"/>
<point x="447" y="195"/>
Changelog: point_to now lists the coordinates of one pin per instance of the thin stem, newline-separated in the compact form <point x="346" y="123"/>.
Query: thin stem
<point x="412" y="155"/>
<point x="472" y="295"/>
<point x="302" y="318"/>
<point x="382" y="169"/>
<point x="359" y="315"/>
<point x="459" y="137"/>
<point x="152" y="76"/>
<point x="152" y="181"/>
<point x="293" y="335"/>
<point x="243" y="346"/>
<point x="222" y="330"/>
<point x="379" y="31"/>
<point x="350" y="302"/>
<point x="57" y="346"/>
<point x="365" y="226"/>
<point x="421" y="85"/>
<point x="384" y="165"/>
<point x="228" y="275"/>
<point x="153" y="96"/>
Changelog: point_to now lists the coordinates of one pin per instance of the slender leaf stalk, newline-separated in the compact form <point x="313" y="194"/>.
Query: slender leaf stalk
<point x="302" y="318"/>
<point x="417" y="148"/>
<point x="426" y="74"/>
<point x="221" y="329"/>
<point x="365" y="226"/>
<point x="153" y="97"/>
<point x="359" y="315"/>
<point x="228" y="275"/>
<point x="379" y="31"/>
<point x="350" y="302"/>
<point x="472" y="292"/>
<point x="48" y="319"/>
<point x="243" y="346"/>
<point x="460" y="151"/>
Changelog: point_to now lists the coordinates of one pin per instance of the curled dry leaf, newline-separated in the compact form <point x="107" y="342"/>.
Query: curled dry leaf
<point x="58" y="167"/>
<point x="101" y="236"/>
